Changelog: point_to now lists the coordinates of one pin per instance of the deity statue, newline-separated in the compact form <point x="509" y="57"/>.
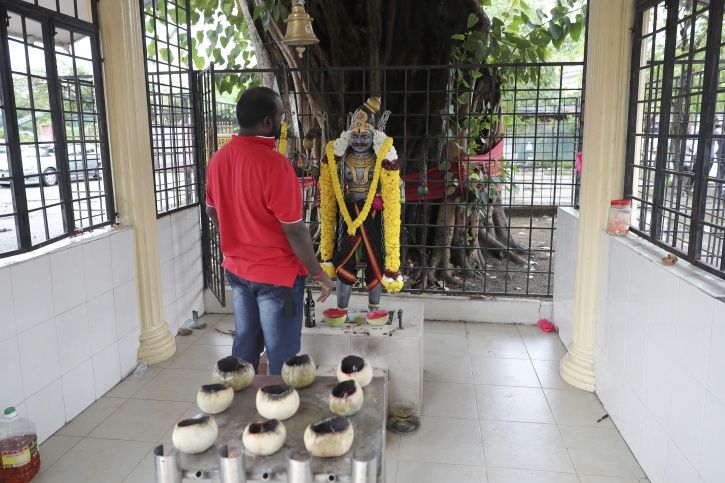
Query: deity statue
<point x="360" y="207"/>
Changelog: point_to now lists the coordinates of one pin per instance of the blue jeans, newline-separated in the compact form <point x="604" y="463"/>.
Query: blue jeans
<point x="260" y="321"/>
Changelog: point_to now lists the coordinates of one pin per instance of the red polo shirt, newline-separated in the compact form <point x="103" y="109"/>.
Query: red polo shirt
<point x="253" y="189"/>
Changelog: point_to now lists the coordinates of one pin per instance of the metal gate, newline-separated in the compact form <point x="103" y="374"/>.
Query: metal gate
<point x="207" y="143"/>
<point x="500" y="241"/>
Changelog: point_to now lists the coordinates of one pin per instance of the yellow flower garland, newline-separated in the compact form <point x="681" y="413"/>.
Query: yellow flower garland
<point x="282" y="147"/>
<point x="390" y="183"/>
<point x="353" y="225"/>
<point x="328" y="214"/>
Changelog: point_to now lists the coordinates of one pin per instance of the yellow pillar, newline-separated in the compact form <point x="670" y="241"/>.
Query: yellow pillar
<point x="125" y="80"/>
<point x="605" y="132"/>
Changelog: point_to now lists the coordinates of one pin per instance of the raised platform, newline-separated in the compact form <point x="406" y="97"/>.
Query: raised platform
<point x="399" y="351"/>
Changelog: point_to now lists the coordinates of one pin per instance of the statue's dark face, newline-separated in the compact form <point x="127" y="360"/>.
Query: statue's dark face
<point x="361" y="142"/>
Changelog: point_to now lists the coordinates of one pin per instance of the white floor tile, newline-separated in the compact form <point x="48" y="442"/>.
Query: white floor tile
<point x="600" y="451"/>
<point x="505" y="475"/>
<point x="577" y="408"/>
<point x="443" y="440"/>
<point x="610" y="479"/>
<point x="98" y="460"/>
<point x="391" y="471"/>
<point x="127" y="387"/>
<point x="545" y="348"/>
<point x="143" y="470"/>
<point x="495" y="346"/>
<point x="91" y="417"/>
<point x="141" y="420"/>
<point x="444" y="327"/>
<point x="549" y="376"/>
<point x="445" y="344"/>
<point x="503" y="372"/>
<point x="447" y="369"/>
<point x="211" y="337"/>
<point x="519" y="404"/>
<point x="54" y="448"/>
<point x="534" y="332"/>
<point x="392" y="446"/>
<point x="417" y="472"/>
<point x="448" y="400"/>
<point x="525" y="446"/>
<point x="200" y="357"/>
<point x="174" y="385"/>
<point x="501" y="330"/>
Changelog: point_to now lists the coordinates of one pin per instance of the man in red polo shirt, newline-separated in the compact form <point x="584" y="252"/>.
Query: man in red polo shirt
<point x="254" y="198"/>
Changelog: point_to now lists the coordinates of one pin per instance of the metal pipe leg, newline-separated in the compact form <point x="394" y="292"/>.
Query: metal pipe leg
<point x="166" y="469"/>
<point x="364" y="469"/>
<point x="298" y="468"/>
<point x="231" y="466"/>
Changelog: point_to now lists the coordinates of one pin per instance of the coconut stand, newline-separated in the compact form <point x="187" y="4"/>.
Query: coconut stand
<point x="227" y="460"/>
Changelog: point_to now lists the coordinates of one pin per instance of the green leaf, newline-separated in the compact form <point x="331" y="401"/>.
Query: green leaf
<point x="556" y="31"/>
<point x="472" y="20"/>
<point x="576" y="31"/>
<point x="486" y="3"/>
<point x="476" y="74"/>
<point x="257" y="12"/>
<point x="458" y="37"/>
<point x="165" y="54"/>
<point x="558" y="12"/>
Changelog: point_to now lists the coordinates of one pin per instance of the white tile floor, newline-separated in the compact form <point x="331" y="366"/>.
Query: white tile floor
<point x="495" y="411"/>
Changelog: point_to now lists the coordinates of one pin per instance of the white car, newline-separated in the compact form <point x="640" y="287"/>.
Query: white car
<point x="48" y="173"/>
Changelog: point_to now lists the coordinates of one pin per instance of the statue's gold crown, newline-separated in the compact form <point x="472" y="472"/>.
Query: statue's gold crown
<point x="363" y="117"/>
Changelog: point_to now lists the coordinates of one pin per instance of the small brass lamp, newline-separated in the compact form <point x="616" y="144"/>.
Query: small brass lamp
<point x="299" y="29"/>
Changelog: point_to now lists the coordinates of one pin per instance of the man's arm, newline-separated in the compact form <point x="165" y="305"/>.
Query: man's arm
<point x="211" y="212"/>
<point x="299" y="239"/>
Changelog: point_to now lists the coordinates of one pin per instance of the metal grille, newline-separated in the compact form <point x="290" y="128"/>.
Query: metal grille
<point x="54" y="177"/>
<point x="208" y="144"/>
<point x="675" y="165"/>
<point x="525" y="177"/>
<point x="167" y="49"/>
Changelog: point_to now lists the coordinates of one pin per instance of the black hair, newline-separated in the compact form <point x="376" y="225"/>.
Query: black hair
<point x="256" y="104"/>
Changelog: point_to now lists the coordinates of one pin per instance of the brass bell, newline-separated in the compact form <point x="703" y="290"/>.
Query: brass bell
<point x="299" y="29"/>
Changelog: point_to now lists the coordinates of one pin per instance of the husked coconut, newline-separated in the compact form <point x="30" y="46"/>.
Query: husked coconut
<point x="346" y="399"/>
<point x="234" y="372"/>
<point x="277" y="401"/>
<point x="299" y="371"/>
<point x="195" y="435"/>
<point x="263" y="438"/>
<point x="356" y="368"/>
<point x="330" y="437"/>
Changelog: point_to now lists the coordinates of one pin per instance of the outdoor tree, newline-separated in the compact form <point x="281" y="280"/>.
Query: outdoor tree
<point x="464" y="115"/>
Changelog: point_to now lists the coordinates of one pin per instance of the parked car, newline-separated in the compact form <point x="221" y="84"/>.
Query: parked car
<point x="48" y="175"/>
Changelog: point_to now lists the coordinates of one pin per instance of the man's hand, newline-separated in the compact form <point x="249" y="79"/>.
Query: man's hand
<point x="326" y="286"/>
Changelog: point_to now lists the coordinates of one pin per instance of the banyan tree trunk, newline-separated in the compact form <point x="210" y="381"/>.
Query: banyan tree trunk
<point x="377" y="33"/>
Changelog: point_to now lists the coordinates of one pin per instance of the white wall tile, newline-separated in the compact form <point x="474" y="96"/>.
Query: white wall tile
<point x="32" y="292"/>
<point x="168" y="286"/>
<point x="716" y="372"/>
<point x="123" y="260"/>
<point x="712" y="466"/>
<point x="657" y="384"/>
<point x="97" y="267"/>
<point x="678" y="469"/>
<point x="694" y="330"/>
<point x="687" y="408"/>
<point x="46" y="409"/>
<point x="127" y="310"/>
<point x="171" y="317"/>
<point x="106" y="369"/>
<point x="10" y="373"/>
<point x="66" y="268"/>
<point x="39" y="358"/>
<point x="102" y="321"/>
<point x="7" y="316"/>
<point x="166" y="249"/>
<point x="128" y="351"/>
<point x="78" y="389"/>
<point x="652" y="454"/>
<point x="74" y="338"/>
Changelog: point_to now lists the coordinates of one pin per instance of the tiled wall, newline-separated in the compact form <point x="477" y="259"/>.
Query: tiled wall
<point x="69" y="326"/>
<point x="660" y="360"/>
<point x="182" y="278"/>
<point x="567" y="226"/>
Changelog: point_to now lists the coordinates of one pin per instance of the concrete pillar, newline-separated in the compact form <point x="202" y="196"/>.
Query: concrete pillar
<point x="605" y="134"/>
<point x="133" y="178"/>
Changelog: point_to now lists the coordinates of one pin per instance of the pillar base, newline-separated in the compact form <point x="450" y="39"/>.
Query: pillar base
<point x="157" y="344"/>
<point x="577" y="368"/>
